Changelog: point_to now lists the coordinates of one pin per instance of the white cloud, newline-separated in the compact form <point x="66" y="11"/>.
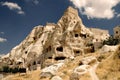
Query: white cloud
<point x="20" y="12"/>
<point x="118" y="15"/>
<point x="2" y="40"/>
<point x="96" y="8"/>
<point x="2" y="33"/>
<point x="36" y="2"/>
<point x="13" y="6"/>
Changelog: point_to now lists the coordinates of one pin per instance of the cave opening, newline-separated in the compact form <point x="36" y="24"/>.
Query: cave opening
<point x="83" y="35"/>
<point x="34" y="38"/>
<point x="76" y="35"/>
<point x="59" y="49"/>
<point x="25" y="52"/>
<point x="34" y="63"/>
<point x="60" y="58"/>
<point x="77" y="52"/>
<point x="49" y="57"/>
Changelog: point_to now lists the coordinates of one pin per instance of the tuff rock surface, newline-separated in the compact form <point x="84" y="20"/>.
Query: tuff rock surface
<point x="67" y="50"/>
<point x="68" y="38"/>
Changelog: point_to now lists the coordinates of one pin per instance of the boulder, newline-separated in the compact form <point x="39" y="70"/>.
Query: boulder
<point x="51" y="70"/>
<point x="81" y="69"/>
<point x="107" y="48"/>
<point x="56" y="78"/>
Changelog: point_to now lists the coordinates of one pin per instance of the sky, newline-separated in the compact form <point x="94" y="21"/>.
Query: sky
<point x="19" y="17"/>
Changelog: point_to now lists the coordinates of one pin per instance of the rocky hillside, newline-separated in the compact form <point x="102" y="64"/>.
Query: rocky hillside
<point x="109" y="68"/>
<point x="67" y="50"/>
<point x="66" y="39"/>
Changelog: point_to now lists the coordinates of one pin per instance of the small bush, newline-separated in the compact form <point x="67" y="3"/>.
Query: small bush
<point x="22" y="70"/>
<point x="15" y="70"/>
<point x="6" y="69"/>
<point x="111" y="41"/>
<point x="0" y="69"/>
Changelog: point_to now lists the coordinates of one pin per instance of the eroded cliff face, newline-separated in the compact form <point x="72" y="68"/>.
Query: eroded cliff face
<point x="66" y="39"/>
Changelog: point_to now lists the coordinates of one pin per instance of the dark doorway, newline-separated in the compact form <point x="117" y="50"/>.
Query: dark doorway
<point x="59" y="49"/>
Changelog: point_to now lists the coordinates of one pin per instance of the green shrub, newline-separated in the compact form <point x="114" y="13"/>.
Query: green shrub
<point x="111" y="41"/>
<point x="15" y="70"/>
<point x="6" y="69"/>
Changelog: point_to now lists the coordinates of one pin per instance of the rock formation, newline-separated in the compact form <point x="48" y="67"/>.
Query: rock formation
<point x="66" y="39"/>
<point x="117" y="32"/>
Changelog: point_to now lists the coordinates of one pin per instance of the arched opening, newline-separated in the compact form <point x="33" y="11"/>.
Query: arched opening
<point x="80" y="63"/>
<point x="49" y="48"/>
<point x="116" y="32"/>
<point x="25" y="52"/>
<point x="34" y="38"/>
<point x="77" y="52"/>
<point x="34" y="63"/>
<point x="76" y="35"/>
<point x="38" y="62"/>
<point x="83" y="35"/>
<point x="49" y="57"/>
<point x="60" y="49"/>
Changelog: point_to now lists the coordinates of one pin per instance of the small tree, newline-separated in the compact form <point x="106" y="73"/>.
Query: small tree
<point x="5" y="69"/>
<point x="111" y="41"/>
<point x="15" y="70"/>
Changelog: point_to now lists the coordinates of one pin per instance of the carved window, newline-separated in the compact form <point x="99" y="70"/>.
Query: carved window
<point x="74" y="21"/>
<point x="49" y="57"/>
<point x="34" y="38"/>
<point x="60" y="58"/>
<point x="76" y="35"/>
<point x="96" y="39"/>
<point x="83" y="35"/>
<point x="88" y="36"/>
<point x="25" y="52"/>
<point x="60" y="49"/>
<point x="77" y="52"/>
<point x="49" y="48"/>
<point x="34" y="63"/>
<point x="116" y="32"/>
<point x="38" y="62"/>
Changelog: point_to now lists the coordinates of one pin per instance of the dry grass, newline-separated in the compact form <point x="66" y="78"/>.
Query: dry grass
<point x="33" y="75"/>
<point x="85" y="77"/>
<point x="110" y="69"/>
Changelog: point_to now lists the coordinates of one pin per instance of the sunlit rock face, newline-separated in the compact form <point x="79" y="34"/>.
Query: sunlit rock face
<point x="117" y="32"/>
<point x="67" y="38"/>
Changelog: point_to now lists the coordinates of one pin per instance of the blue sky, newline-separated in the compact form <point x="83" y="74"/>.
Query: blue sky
<point x="18" y="17"/>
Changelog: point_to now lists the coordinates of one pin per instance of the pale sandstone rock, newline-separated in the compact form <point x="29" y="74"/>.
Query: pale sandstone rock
<point x="51" y="70"/>
<point x="107" y="48"/>
<point x="81" y="69"/>
<point x="68" y="38"/>
<point x="56" y="78"/>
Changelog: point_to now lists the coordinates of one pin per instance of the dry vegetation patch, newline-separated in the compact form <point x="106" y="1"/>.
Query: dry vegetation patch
<point x="110" y="69"/>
